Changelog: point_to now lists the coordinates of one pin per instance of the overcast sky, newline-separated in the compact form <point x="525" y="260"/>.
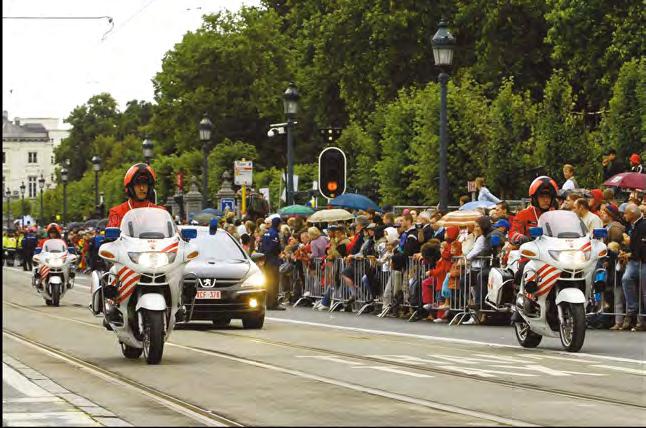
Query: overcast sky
<point x="51" y="66"/>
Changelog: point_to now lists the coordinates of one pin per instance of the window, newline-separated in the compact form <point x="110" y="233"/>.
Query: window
<point x="52" y="160"/>
<point x="32" y="157"/>
<point x="4" y="157"/>
<point x="32" y="186"/>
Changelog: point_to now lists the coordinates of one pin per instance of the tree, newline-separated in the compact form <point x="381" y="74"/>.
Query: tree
<point x="558" y="132"/>
<point x="222" y="158"/>
<point x="361" y="155"/>
<point x="624" y="125"/>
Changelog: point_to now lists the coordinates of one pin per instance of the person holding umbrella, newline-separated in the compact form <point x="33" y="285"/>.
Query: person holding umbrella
<point x="611" y="165"/>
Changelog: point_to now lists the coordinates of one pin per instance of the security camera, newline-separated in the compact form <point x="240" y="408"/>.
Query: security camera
<point x="271" y="132"/>
<point x="275" y="131"/>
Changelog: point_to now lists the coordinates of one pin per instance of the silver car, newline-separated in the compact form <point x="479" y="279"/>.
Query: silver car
<point x="223" y="282"/>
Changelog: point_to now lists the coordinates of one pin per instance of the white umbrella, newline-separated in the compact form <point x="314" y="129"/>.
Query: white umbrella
<point x="326" y="216"/>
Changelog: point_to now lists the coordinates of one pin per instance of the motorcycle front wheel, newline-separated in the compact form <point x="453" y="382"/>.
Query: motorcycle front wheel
<point x="526" y="337"/>
<point x="56" y="295"/>
<point x="572" y="328"/>
<point x="153" y="336"/>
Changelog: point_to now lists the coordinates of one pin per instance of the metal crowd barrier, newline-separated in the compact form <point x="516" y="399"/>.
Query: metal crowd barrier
<point x="611" y="301"/>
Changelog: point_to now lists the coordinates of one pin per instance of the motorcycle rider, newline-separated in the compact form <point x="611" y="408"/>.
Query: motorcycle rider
<point x="543" y="192"/>
<point x="139" y="184"/>
<point x="54" y="231"/>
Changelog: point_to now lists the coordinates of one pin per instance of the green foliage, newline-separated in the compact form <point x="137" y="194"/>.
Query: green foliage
<point x="361" y="155"/>
<point x="624" y="125"/>
<point x="222" y="158"/>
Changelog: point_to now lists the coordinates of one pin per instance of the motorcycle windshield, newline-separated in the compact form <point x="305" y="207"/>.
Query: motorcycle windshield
<point x="54" y="246"/>
<point x="148" y="223"/>
<point x="562" y="224"/>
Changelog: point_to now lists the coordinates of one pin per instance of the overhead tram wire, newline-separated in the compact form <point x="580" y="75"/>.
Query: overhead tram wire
<point x="109" y="18"/>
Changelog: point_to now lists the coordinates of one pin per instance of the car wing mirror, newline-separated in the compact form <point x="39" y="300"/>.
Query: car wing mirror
<point x="256" y="257"/>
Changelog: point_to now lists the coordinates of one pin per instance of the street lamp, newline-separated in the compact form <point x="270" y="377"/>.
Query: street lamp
<point x="147" y="146"/>
<point x="41" y="185"/>
<point x="96" y="163"/>
<point x="22" y="204"/>
<point x="205" y="136"/>
<point x="7" y="193"/>
<point x="64" y="177"/>
<point x="443" y="44"/>
<point x="290" y="105"/>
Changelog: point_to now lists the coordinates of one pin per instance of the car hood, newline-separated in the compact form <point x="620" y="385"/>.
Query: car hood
<point x="222" y="269"/>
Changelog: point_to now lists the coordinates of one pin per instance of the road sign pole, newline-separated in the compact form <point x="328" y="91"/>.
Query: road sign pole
<point x="243" y="204"/>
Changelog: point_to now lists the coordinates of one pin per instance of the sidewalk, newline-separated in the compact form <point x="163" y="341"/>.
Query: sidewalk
<point x="31" y="399"/>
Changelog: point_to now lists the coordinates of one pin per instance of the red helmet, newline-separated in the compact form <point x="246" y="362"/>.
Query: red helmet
<point x="139" y="173"/>
<point x="54" y="227"/>
<point x="543" y="185"/>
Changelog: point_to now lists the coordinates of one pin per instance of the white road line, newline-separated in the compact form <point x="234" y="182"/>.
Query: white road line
<point x="22" y="384"/>
<point x="448" y="339"/>
<point x="622" y="369"/>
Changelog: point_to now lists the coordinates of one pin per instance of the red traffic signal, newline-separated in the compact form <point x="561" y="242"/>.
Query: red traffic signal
<point x="332" y="172"/>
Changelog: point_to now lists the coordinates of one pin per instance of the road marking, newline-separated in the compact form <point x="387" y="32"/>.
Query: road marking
<point x="328" y="358"/>
<point x="21" y="383"/>
<point x="392" y="370"/>
<point x="51" y="399"/>
<point x="448" y="339"/>
<point x="622" y="369"/>
<point x="572" y="360"/>
<point x="71" y="418"/>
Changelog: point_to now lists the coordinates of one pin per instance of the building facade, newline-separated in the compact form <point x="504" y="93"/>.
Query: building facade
<point x="28" y="152"/>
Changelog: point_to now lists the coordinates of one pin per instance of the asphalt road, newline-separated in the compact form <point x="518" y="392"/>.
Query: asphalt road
<point x="308" y="368"/>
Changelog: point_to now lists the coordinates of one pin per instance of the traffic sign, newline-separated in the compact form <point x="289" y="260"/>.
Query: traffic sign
<point x="242" y="173"/>
<point x="471" y="186"/>
<point x="227" y="203"/>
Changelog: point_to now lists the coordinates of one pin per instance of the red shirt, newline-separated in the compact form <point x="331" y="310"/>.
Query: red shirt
<point x="523" y="221"/>
<point x="117" y="213"/>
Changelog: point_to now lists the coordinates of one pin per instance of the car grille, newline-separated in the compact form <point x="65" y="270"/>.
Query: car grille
<point x="215" y="283"/>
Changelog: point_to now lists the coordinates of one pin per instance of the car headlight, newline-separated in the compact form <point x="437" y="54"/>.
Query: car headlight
<point x="257" y="280"/>
<point x="569" y="256"/>
<point x="152" y="259"/>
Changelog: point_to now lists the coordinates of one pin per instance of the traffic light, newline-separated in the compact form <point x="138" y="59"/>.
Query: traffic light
<point x="330" y="135"/>
<point x="332" y="172"/>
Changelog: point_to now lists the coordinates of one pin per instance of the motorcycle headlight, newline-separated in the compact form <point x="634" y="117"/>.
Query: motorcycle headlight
<point x="55" y="262"/>
<point x="257" y="280"/>
<point x="570" y="256"/>
<point x="152" y="259"/>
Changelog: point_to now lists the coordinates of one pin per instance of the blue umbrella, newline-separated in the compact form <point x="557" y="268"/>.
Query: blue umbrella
<point x="477" y="204"/>
<point x="354" y="201"/>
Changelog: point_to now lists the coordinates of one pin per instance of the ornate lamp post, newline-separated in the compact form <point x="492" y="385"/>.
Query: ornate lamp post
<point x="22" y="203"/>
<point x="443" y="44"/>
<point x="7" y="193"/>
<point x="96" y="164"/>
<point x="206" y="126"/>
<point x="64" y="178"/>
<point x="290" y="105"/>
<point x="41" y="185"/>
<point x="147" y="147"/>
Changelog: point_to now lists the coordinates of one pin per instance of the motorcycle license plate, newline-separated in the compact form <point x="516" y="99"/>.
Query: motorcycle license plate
<point x="208" y="294"/>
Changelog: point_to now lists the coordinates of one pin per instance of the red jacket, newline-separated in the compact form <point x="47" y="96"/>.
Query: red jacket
<point x="117" y="213"/>
<point x="522" y="222"/>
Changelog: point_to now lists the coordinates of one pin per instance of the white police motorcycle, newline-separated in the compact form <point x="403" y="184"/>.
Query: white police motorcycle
<point x="140" y="294"/>
<point x="560" y="272"/>
<point x="53" y="273"/>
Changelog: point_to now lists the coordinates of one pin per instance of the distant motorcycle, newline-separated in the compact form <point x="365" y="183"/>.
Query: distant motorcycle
<point x="560" y="272"/>
<point x="54" y="271"/>
<point x="140" y="294"/>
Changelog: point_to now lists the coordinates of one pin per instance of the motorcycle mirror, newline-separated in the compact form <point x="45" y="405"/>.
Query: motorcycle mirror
<point x="112" y="233"/>
<point x="599" y="233"/>
<point x="535" y="232"/>
<point x="188" y="234"/>
<point x="38" y="250"/>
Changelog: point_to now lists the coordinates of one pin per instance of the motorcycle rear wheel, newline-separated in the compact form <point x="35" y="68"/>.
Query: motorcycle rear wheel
<point x="573" y="330"/>
<point x="526" y="337"/>
<point x="153" y="336"/>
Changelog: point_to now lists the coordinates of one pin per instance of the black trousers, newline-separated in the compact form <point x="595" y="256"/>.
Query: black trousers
<point x="271" y="275"/>
<point x="28" y="265"/>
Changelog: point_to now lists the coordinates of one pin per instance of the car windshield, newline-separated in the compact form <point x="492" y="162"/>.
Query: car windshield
<point x="217" y="248"/>
<point x="148" y="223"/>
<point x="562" y="224"/>
<point x="54" y="246"/>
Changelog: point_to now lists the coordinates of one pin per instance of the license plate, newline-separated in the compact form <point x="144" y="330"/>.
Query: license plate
<point x="208" y="294"/>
